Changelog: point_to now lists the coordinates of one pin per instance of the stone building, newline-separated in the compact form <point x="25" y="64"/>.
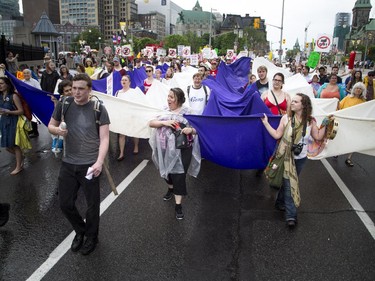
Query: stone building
<point x="363" y="28"/>
<point x="196" y="21"/>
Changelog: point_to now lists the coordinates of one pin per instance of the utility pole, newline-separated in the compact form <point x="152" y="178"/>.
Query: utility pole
<point x="281" y="33"/>
<point x="209" y="38"/>
<point x="304" y="48"/>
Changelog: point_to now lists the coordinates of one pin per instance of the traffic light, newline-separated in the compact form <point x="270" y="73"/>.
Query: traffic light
<point x="284" y="41"/>
<point x="307" y="45"/>
<point x="256" y="23"/>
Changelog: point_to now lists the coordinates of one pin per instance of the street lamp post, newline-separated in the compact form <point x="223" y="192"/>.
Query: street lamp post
<point x="239" y="34"/>
<point x="281" y="33"/>
<point x="210" y="28"/>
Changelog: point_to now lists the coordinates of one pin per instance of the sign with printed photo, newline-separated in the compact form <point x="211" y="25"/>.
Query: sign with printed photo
<point x="107" y="50"/>
<point x="172" y="53"/>
<point x="126" y="50"/>
<point x="194" y="60"/>
<point x="230" y="53"/>
<point x="161" y="52"/>
<point x="148" y="51"/>
<point x="118" y="50"/>
<point x="87" y="49"/>
<point x="179" y="49"/>
<point x="206" y="53"/>
<point x="186" y="51"/>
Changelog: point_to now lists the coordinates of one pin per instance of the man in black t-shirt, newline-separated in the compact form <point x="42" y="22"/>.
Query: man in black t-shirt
<point x="84" y="124"/>
<point x="261" y="85"/>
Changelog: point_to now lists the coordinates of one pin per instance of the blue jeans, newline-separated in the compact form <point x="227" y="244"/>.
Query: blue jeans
<point x="284" y="196"/>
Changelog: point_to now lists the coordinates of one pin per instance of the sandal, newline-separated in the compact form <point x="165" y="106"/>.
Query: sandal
<point x="349" y="163"/>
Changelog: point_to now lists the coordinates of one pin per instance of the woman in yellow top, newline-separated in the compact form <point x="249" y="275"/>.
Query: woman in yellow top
<point x="356" y="96"/>
<point x="370" y="85"/>
<point x="89" y="67"/>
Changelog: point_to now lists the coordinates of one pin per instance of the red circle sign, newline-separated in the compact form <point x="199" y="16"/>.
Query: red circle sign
<point x="126" y="51"/>
<point x="323" y="42"/>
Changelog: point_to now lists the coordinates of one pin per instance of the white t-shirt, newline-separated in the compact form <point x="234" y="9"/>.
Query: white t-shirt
<point x="33" y="82"/>
<point x="126" y="95"/>
<point x="198" y="99"/>
<point x="304" y="140"/>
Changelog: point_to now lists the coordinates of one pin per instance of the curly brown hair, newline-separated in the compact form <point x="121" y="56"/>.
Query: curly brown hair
<point x="307" y="108"/>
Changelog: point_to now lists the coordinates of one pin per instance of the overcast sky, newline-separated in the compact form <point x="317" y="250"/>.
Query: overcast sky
<point x="318" y="14"/>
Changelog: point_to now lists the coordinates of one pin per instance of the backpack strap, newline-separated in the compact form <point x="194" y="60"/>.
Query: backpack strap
<point x="65" y="104"/>
<point x="67" y="101"/>
<point x="97" y="111"/>
<point x="205" y="91"/>
<point x="278" y="106"/>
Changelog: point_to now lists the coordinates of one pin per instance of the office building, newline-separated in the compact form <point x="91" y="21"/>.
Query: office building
<point x="33" y="10"/>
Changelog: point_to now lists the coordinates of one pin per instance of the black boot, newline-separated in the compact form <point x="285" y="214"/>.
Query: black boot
<point x="34" y="133"/>
<point x="4" y="213"/>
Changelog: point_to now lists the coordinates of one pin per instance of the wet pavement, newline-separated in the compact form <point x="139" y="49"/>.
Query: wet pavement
<point x="230" y="231"/>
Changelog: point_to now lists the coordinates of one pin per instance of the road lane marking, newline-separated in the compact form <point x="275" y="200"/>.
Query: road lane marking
<point x="369" y="224"/>
<point x="64" y="246"/>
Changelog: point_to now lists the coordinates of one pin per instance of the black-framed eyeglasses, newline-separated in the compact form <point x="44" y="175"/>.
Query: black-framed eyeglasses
<point x="148" y="70"/>
<point x="277" y="80"/>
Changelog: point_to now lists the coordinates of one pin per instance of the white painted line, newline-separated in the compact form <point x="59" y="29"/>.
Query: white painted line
<point x="64" y="246"/>
<point x="369" y="224"/>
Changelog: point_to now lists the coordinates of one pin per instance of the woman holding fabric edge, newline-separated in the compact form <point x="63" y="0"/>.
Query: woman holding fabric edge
<point x="296" y="123"/>
<point x="172" y="163"/>
<point x="10" y="109"/>
<point x="125" y="83"/>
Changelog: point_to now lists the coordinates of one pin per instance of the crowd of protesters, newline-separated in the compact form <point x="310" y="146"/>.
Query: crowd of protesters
<point x="75" y="72"/>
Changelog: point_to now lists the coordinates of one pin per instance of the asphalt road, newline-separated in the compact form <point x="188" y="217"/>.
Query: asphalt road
<point x="230" y="231"/>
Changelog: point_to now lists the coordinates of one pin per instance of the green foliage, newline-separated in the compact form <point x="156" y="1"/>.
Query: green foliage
<point x="91" y="37"/>
<point x="224" y="42"/>
<point x="141" y="43"/>
<point x="195" y="41"/>
<point x="291" y="54"/>
<point x="172" y="41"/>
<point x="371" y="53"/>
<point x="252" y="39"/>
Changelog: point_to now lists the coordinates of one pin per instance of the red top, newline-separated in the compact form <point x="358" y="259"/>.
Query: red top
<point x="273" y="107"/>
<point x="146" y="85"/>
<point x="213" y="72"/>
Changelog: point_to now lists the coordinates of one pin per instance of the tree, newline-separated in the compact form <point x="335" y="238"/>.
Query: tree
<point x="141" y="43"/>
<point x="371" y="53"/>
<point x="91" y="38"/>
<point x="195" y="42"/>
<point x="224" y="42"/>
<point x="172" y="41"/>
<point x="252" y="39"/>
<point x="291" y="54"/>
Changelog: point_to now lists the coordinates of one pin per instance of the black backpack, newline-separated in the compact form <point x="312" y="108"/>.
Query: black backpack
<point x="67" y="101"/>
<point x="205" y="91"/>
